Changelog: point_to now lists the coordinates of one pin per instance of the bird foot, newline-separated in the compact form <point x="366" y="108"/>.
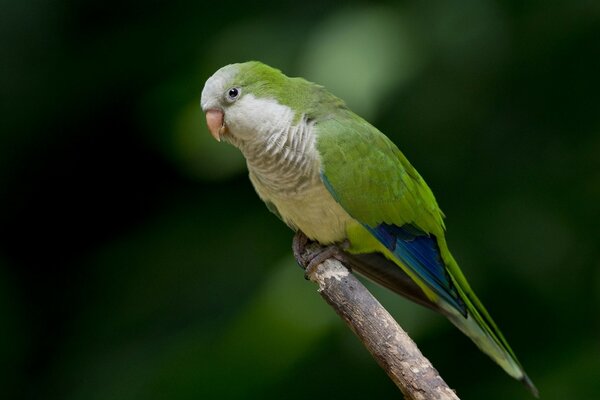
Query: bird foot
<point x="310" y="258"/>
<point x="299" y="247"/>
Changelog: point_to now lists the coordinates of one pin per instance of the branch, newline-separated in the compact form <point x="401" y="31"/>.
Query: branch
<point x="387" y="342"/>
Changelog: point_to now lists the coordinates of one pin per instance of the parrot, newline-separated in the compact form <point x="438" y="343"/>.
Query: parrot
<point x="335" y="178"/>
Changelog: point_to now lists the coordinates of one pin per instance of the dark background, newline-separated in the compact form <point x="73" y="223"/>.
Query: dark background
<point x="136" y="261"/>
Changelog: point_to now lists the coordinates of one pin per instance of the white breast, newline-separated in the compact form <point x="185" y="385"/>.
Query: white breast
<point x="284" y="168"/>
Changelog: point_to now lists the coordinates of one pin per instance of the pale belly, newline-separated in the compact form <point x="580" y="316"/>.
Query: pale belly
<point x="313" y="211"/>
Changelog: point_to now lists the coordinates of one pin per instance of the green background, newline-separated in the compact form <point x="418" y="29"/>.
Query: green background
<point x="136" y="261"/>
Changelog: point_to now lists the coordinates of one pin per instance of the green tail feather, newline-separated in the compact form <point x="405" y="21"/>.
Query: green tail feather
<point x="530" y="386"/>
<point x="479" y="325"/>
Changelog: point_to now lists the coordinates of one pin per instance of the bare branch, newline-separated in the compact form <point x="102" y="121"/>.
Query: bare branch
<point x="391" y="347"/>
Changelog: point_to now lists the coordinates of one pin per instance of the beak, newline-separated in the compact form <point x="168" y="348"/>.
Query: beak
<point x="216" y="123"/>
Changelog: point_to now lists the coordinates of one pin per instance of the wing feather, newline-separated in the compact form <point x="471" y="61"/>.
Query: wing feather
<point x="403" y="221"/>
<point x="388" y="197"/>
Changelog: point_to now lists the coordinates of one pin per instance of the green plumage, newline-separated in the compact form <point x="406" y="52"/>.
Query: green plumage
<point x="363" y="189"/>
<point x="302" y="96"/>
<point x="385" y="188"/>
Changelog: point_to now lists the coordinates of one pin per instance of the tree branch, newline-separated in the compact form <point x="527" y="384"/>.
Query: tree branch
<point x="391" y="347"/>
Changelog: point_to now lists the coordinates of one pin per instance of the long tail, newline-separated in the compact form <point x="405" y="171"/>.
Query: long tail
<point x="484" y="334"/>
<point x="491" y="344"/>
<point x="480" y="327"/>
<point x="420" y="267"/>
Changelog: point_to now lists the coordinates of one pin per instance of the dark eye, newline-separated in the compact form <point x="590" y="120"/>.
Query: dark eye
<point x="233" y="94"/>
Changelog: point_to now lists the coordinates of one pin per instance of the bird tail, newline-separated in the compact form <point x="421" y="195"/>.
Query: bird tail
<point x="477" y="324"/>
<point x="483" y="331"/>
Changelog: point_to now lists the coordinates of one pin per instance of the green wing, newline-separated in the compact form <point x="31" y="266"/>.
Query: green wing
<point x="385" y="187"/>
<point x="374" y="182"/>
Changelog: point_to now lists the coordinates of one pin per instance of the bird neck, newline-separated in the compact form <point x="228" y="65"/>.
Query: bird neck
<point x="286" y="162"/>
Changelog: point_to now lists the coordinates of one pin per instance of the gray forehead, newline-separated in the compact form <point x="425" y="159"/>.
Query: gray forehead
<point x="218" y="83"/>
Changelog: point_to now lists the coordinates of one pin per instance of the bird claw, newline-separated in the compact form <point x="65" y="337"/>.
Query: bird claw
<point x="299" y="247"/>
<point x="310" y="260"/>
<point x="319" y="258"/>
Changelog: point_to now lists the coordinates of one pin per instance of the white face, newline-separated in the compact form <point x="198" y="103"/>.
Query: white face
<point x="216" y="87"/>
<point x="244" y="116"/>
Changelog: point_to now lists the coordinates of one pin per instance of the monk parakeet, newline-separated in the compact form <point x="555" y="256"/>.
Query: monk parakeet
<point x="330" y="174"/>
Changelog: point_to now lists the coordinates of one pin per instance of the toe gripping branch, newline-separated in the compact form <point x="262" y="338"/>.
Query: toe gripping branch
<point x="309" y="254"/>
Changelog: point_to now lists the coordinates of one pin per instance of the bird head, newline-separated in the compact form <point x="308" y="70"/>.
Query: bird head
<point x="243" y="101"/>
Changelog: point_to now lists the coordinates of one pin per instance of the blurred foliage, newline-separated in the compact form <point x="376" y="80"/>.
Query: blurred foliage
<point x="137" y="262"/>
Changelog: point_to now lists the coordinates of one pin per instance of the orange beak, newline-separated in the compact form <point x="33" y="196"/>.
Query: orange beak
<point x="216" y="123"/>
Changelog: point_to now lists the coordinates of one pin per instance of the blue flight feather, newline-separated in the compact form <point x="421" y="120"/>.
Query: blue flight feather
<point x="419" y="252"/>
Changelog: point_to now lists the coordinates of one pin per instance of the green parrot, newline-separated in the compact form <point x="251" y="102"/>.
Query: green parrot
<point x="332" y="176"/>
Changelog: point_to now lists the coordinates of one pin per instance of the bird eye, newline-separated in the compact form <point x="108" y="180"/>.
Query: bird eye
<point x="233" y="94"/>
